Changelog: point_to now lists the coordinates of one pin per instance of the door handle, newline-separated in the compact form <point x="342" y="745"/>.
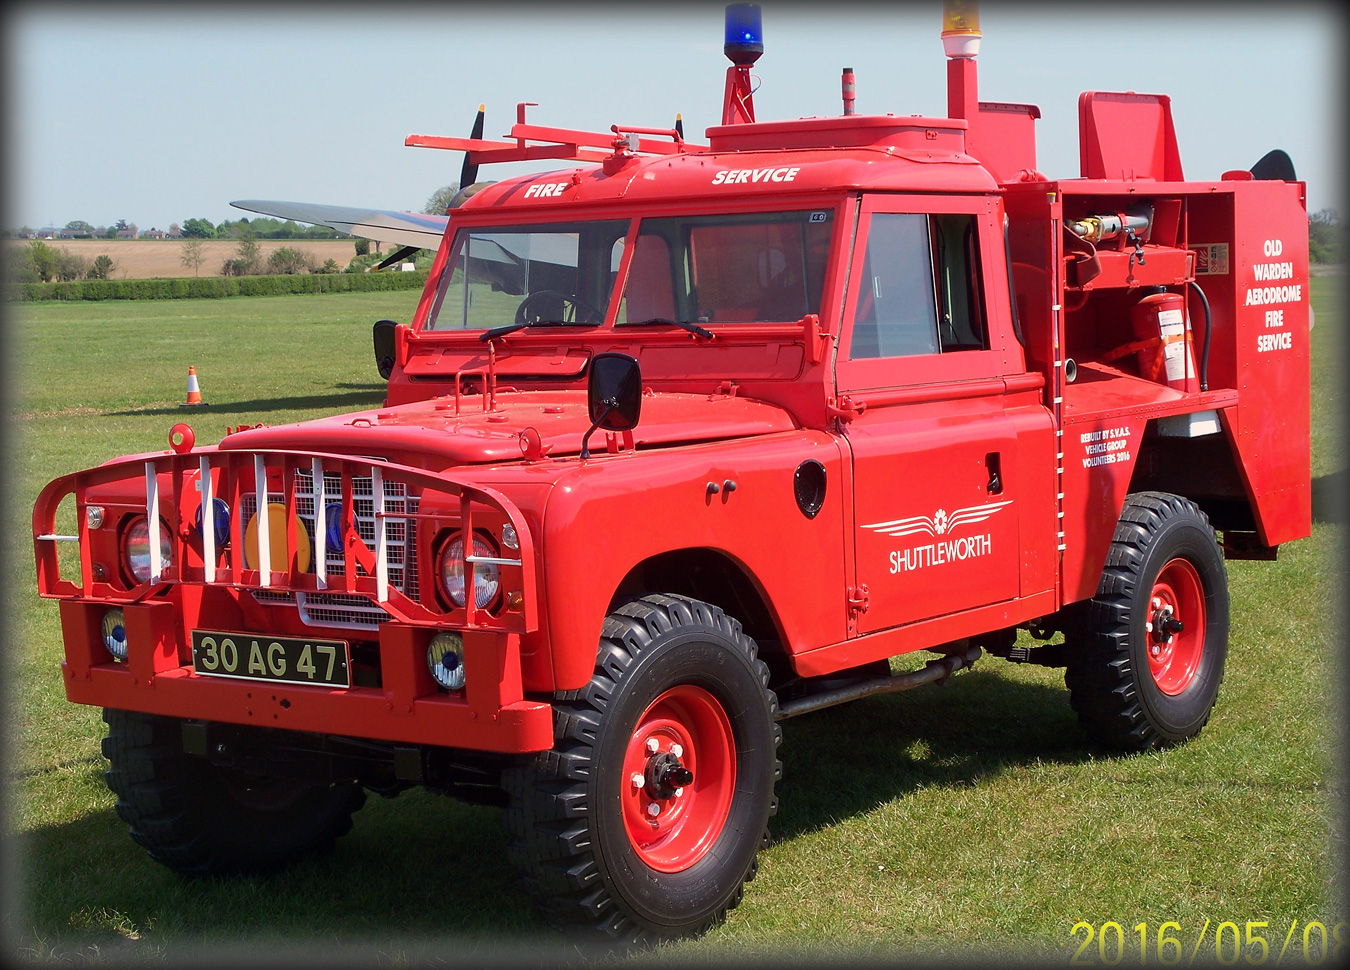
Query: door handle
<point x="995" y="484"/>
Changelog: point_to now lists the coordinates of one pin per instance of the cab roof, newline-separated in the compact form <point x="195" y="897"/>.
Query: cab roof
<point x="778" y="159"/>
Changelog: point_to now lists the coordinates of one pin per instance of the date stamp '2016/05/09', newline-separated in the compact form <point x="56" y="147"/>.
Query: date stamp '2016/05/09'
<point x="1252" y="941"/>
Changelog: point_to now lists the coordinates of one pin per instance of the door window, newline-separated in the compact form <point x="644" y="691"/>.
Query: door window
<point x="919" y="293"/>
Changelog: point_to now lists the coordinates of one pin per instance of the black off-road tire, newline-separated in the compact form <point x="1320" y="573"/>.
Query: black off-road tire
<point x="199" y="819"/>
<point x="1161" y="541"/>
<point x="569" y="815"/>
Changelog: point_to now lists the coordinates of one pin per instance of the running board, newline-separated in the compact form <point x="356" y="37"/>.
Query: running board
<point x="935" y="671"/>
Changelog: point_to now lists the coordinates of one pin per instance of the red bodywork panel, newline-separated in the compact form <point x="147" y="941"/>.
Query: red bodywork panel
<point x="432" y="434"/>
<point x="968" y="488"/>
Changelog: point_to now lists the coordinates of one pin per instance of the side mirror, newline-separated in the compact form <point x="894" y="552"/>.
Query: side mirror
<point x="613" y="395"/>
<point x="384" y="347"/>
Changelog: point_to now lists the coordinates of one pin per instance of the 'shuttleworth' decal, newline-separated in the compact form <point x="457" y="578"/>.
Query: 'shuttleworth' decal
<point x="939" y="523"/>
<point x="945" y="548"/>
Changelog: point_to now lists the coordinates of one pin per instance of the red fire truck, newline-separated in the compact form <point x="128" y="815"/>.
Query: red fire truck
<point x="688" y="440"/>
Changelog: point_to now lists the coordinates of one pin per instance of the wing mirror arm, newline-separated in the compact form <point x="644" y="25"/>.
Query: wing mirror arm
<point x="613" y="395"/>
<point x="585" y="439"/>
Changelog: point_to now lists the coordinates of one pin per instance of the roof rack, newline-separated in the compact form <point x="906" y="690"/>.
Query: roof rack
<point x="564" y="143"/>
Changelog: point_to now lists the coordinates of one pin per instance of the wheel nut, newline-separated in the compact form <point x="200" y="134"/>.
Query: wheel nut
<point x="1148" y="626"/>
<point x="679" y="792"/>
<point x="637" y="779"/>
<point x="653" y="809"/>
<point x="652" y="746"/>
<point x="1156" y="602"/>
<point x="1155" y="649"/>
<point x="677" y="750"/>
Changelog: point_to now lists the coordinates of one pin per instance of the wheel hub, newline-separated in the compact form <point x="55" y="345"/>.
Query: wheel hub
<point x="1175" y="626"/>
<point x="666" y="776"/>
<point x="1162" y="626"/>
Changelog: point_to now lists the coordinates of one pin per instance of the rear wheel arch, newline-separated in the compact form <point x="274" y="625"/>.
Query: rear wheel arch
<point x="1204" y="469"/>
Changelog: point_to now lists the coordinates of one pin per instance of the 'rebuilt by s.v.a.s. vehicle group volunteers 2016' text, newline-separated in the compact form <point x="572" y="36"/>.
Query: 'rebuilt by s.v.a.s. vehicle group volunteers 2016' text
<point x="688" y="440"/>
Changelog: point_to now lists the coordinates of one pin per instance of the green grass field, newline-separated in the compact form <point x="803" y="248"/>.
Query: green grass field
<point x="957" y="822"/>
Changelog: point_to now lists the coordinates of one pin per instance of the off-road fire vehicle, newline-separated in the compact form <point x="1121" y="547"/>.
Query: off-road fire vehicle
<point x="693" y="438"/>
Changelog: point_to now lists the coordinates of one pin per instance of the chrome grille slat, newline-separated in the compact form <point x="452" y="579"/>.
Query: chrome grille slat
<point x="340" y="610"/>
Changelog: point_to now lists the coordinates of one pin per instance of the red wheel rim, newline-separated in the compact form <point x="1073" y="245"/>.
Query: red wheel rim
<point x="685" y="728"/>
<point x="1174" y="655"/>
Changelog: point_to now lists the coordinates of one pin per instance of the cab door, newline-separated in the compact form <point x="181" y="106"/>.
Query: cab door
<point x="938" y="471"/>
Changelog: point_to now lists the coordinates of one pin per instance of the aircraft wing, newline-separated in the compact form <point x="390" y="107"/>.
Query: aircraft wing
<point x="414" y="229"/>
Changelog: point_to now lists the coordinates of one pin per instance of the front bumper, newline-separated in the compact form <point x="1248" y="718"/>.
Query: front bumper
<point x="389" y="514"/>
<point x="489" y="714"/>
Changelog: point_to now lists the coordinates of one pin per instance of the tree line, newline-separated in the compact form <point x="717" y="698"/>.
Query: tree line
<point x="260" y="227"/>
<point x="39" y="263"/>
<point x="248" y="259"/>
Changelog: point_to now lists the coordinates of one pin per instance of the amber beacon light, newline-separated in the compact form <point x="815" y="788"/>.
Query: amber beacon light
<point x="960" y="28"/>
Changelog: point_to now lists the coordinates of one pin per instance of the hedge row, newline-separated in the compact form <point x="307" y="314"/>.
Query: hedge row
<point x="214" y="287"/>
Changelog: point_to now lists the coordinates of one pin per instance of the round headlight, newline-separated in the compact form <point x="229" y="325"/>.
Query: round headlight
<point x="136" y="548"/>
<point x="485" y="574"/>
<point x="445" y="660"/>
<point x="220" y="518"/>
<point x="114" y="630"/>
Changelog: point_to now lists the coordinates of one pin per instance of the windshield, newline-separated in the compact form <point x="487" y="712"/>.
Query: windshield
<point x="759" y="267"/>
<point x="748" y="268"/>
<point x="558" y="273"/>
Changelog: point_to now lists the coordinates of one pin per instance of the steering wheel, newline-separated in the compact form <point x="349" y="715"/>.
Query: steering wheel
<point x="556" y="305"/>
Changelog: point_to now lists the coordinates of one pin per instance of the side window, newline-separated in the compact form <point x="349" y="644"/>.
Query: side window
<point x="956" y="264"/>
<point x="920" y="290"/>
<point x="896" y="315"/>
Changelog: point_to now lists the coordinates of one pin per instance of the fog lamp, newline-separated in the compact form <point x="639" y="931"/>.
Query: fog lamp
<point x="445" y="660"/>
<point x="509" y="538"/>
<point x="93" y="516"/>
<point x="276" y="541"/>
<point x="332" y="527"/>
<point x="220" y="519"/>
<point x="114" y="630"/>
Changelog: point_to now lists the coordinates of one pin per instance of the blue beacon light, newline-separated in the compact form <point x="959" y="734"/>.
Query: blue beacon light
<point x="745" y="33"/>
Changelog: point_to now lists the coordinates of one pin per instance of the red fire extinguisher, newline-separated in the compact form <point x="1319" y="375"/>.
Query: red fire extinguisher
<point x="1163" y="350"/>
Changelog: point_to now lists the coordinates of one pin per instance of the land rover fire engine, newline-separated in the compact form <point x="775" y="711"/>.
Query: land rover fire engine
<point x="693" y="438"/>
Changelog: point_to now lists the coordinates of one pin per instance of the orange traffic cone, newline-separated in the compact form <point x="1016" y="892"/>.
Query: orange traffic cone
<point x="194" y="393"/>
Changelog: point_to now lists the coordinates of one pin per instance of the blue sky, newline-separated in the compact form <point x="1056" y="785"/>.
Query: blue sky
<point x="159" y="113"/>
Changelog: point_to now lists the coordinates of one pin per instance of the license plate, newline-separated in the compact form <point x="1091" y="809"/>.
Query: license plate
<point x="286" y="660"/>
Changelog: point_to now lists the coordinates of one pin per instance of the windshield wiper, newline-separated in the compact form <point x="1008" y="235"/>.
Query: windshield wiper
<point x="502" y="331"/>
<point x="693" y="328"/>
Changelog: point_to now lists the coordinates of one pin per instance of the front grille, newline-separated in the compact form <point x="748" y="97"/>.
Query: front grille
<point x="345" y="610"/>
<point x="339" y="609"/>
<point x="393" y="591"/>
